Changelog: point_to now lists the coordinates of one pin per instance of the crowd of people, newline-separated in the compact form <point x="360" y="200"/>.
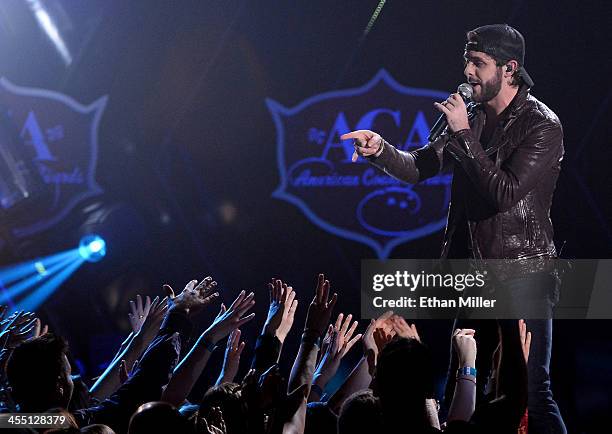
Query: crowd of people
<point x="145" y="387"/>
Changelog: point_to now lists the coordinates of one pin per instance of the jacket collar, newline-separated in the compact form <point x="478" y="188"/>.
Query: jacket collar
<point x="515" y="105"/>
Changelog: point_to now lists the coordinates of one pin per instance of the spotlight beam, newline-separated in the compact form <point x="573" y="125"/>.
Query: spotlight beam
<point x="17" y="272"/>
<point x="45" y="275"/>
<point x="48" y="26"/>
<point x="32" y="281"/>
<point x="34" y="300"/>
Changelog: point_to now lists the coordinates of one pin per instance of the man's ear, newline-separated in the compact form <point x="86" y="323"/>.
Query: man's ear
<point x="510" y="68"/>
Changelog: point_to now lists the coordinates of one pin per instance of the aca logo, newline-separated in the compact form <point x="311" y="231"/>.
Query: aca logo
<point x="53" y="140"/>
<point x="356" y="200"/>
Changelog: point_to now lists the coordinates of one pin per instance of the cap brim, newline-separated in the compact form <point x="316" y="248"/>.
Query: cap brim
<point x="526" y="77"/>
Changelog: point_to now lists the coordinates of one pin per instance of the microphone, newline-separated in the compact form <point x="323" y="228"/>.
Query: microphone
<point x="465" y="90"/>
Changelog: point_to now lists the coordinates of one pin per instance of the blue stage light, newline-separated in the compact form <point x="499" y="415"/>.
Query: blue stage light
<point x="16" y="272"/>
<point x="36" y="278"/>
<point x="92" y="248"/>
<point x="48" y="287"/>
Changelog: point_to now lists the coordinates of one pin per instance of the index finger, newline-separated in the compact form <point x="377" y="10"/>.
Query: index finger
<point x="441" y="108"/>
<point x="235" y="338"/>
<point x="319" y="290"/>
<point x="359" y="134"/>
<point x="325" y="292"/>
<point x="456" y="97"/>
<point x="246" y="319"/>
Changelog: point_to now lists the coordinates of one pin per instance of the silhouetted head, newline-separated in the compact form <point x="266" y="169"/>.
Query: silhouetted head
<point x="229" y="398"/>
<point x="404" y="379"/>
<point x="97" y="429"/>
<point x="39" y="374"/>
<point x="70" y="424"/>
<point x="320" y="419"/>
<point x="360" y="413"/>
<point x="159" y="417"/>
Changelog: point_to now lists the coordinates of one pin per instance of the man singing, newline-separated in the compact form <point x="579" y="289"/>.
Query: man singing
<point x="506" y="161"/>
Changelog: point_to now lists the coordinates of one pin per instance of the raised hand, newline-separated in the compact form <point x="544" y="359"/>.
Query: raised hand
<point x="366" y="143"/>
<point x="15" y="335"/>
<point x="382" y="338"/>
<point x="231" y="361"/>
<point x="39" y="329"/>
<point x="152" y="321"/>
<point x="338" y="347"/>
<point x="329" y="363"/>
<point x="320" y="309"/>
<point x="525" y="338"/>
<point x="16" y="319"/>
<point x="215" y="424"/>
<point x="465" y="346"/>
<point x="231" y="318"/>
<point x="281" y="311"/>
<point x="369" y="342"/>
<point x="345" y="333"/>
<point x="195" y="295"/>
<point x="139" y="312"/>
<point x="403" y="329"/>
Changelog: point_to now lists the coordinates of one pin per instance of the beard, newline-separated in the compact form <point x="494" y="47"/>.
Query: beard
<point x="489" y="89"/>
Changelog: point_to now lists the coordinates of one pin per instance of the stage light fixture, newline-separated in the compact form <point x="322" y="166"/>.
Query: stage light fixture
<point x="92" y="248"/>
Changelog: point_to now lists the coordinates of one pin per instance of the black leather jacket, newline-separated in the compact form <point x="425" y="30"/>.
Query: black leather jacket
<point x="501" y="195"/>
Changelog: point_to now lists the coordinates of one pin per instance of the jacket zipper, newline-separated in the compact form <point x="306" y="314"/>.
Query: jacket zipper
<point x="526" y="225"/>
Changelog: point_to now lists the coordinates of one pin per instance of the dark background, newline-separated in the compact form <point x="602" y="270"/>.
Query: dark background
<point x="187" y="153"/>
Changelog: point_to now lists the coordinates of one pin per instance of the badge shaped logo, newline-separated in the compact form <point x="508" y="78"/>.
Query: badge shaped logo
<point x="356" y="200"/>
<point x="59" y="137"/>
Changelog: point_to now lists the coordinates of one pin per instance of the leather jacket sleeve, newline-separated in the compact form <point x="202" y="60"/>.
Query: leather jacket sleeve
<point x="504" y="186"/>
<point x="413" y="166"/>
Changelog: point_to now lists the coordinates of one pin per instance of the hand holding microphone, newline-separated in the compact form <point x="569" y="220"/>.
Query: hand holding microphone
<point x="454" y="112"/>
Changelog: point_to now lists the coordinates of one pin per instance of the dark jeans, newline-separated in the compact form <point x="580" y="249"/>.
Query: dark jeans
<point x="535" y="297"/>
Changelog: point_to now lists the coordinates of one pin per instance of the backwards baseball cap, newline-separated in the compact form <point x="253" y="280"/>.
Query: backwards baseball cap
<point x="501" y="42"/>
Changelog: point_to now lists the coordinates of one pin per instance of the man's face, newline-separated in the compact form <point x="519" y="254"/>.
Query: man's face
<point x="483" y="74"/>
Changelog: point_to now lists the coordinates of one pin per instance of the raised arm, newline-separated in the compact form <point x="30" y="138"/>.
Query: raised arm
<point x="319" y="314"/>
<point x="137" y="315"/>
<point x="341" y="342"/>
<point x="411" y="167"/>
<point x="146" y="325"/>
<point x="189" y="369"/>
<point x="464" y="400"/>
<point x="360" y="377"/>
<point x="147" y="380"/>
<point x="279" y="321"/>
<point x="231" y="360"/>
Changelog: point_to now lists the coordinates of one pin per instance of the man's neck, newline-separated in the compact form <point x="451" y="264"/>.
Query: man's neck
<point x="495" y="106"/>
